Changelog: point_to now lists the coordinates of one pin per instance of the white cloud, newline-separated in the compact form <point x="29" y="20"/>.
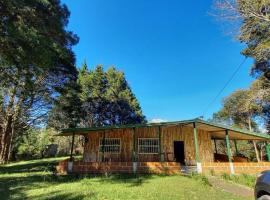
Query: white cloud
<point x="157" y="120"/>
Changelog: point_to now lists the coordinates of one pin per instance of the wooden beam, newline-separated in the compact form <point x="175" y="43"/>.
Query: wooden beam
<point x="216" y="131"/>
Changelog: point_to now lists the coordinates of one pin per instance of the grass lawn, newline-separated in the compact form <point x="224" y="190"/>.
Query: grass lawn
<point x="243" y="179"/>
<point x="33" y="180"/>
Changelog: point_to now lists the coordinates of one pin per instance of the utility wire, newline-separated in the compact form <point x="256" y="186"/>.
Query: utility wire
<point x="224" y="87"/>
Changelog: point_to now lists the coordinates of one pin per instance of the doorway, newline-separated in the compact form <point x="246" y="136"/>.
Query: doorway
<point x="179" y="151"/>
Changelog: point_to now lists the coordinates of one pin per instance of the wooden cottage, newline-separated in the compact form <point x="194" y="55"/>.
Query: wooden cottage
<point x="169" y="147"/>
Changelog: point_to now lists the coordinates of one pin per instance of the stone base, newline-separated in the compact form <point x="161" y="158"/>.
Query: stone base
<point x="235" y="167"/>
<point x="120" y="167"/>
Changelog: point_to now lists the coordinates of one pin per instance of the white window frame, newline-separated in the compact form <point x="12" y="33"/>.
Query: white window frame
<point x="153" y="146"/>
<point x="110" y="145"/>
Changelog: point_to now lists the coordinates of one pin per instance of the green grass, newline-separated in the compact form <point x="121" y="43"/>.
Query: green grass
<point x="33" y="180"/>
<point x="243" y="179"/>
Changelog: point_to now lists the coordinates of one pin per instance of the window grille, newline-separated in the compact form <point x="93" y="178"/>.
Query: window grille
<point x="111" y="145"/>
<point x="148" y="145"/>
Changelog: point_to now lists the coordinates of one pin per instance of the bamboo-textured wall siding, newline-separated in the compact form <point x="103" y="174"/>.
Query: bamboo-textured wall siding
<point x="168" y="136"/>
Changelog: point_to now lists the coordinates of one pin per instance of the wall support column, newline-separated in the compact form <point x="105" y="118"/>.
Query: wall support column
<point x="161" y="159"/>
<point x="72" y="146"/>
<point x="229" y="152"/>
<point x="267" y="150"/>
<point x="103" y="149"/>
<point x="197" y="157"/>
<point x="134" y="151"/>
<point x="70" y="162"/>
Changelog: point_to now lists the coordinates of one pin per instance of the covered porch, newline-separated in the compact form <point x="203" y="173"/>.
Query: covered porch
<point x="229" y="163"/>
<point x="201" y="154"/>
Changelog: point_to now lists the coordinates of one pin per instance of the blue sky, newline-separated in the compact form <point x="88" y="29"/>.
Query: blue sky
<point x="175" y="56"/>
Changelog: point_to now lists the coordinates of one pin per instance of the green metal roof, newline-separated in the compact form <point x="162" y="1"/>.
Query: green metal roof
<point x="69" y="131"/>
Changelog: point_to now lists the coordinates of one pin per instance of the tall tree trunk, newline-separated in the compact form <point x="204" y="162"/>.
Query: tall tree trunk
<point x="6" y="141"/>
<point x="254" y="143"/>
<point x="7" y="129"/>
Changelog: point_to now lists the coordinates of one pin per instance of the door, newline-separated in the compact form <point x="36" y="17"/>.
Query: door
<point x="179" y="151"/>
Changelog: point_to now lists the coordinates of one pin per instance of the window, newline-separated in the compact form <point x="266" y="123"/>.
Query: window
<point x="111" y="145"/>
<point x="148" y="145"/>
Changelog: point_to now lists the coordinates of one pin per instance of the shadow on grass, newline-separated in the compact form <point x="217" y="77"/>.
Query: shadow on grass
<point x="130" y="180"/>
<point x="16" y="187"/>
<point x="30" y="166"/>
<point x="17" y="179"/>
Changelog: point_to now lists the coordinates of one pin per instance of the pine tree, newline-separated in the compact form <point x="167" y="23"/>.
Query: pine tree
<point x="103" y="98"/>
<point x="66" y="111"/>
<point x="126" y="105"/>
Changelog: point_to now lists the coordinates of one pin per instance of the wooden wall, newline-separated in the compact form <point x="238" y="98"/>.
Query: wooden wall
<point x="91" y="148"/>
<point x="168" y="136"/>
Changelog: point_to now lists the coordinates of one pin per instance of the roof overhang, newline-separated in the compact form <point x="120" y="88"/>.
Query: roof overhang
<point x="217" y="131"/>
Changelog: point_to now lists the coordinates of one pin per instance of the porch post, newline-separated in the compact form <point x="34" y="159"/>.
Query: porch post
<point x="72" y="146"/>
<point x="267" y="151"/>
<point x="199" y="164"/>
<point x="103" y="150"/>
<point x="215" y="142"/>
<point x="70" y="162"/>
<point x="229" y="151"/>
<point x="134" y="154"/>
<point x="160" y="145"/>
<point x="236" y="148"/>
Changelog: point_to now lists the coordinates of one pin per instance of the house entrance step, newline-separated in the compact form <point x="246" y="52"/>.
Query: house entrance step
<point x="188" y="169"/>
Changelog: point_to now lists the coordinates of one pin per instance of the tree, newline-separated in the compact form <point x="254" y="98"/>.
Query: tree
<point x="107" y="98"/>
<point x="39" y="143"/>
<point x="36" y="62"/>
<point x="262" y="88"/>
<point x="126" y="108"/>
<point x="95" y="105"/>
<point x="253" y="19"/>
<point x="243" y="107"/>
<point x="104" y="98"/>
<point x="238" y="109"/>
<point x="66" y="110"/>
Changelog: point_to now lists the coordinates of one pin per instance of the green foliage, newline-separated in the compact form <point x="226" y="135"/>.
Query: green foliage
<point x="36" y="63"/>
<point x="243" y="179"/>
<point x="239" y="109"/>
<point x="242" y="109"/>
<point x="252" y="20"/>
<point x="66" y="111"/>
<point x="103" y="98"/>
<point x="36" y="143"/>
<point x="255" y="31"/>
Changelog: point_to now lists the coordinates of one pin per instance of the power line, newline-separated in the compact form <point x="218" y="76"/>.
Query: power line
<point x="223" y="88"/>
